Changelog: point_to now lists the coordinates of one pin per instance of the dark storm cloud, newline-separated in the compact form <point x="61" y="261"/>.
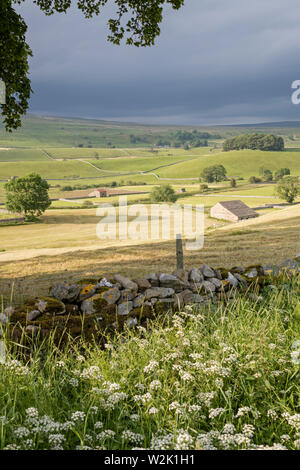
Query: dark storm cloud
<point x="215" y="62"/>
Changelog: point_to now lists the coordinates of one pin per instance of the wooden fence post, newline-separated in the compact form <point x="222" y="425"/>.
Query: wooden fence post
<point x="179" y="251"/>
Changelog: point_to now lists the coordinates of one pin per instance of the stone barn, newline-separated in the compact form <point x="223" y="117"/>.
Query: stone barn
<point x="232" y="211"/>
<point x="99" y="193"/>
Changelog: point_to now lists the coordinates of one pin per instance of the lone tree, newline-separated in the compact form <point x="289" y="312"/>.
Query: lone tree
<point x="163" y="193"/>
<point x="28" y="196"/>
<point x="137" y="21"/>
<point x="288" y="189"/>
<point x="214" y="173"/>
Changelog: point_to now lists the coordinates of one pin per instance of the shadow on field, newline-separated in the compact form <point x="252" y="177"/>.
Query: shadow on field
<point x="264" y="244"/>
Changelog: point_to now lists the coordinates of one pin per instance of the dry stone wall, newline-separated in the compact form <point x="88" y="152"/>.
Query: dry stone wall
<point x="92" y="307"/>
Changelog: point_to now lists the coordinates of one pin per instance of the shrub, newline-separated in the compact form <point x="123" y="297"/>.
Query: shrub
<point x="204" y="188"/>
<point x="254" y="180"/>
<point x="214" y="173"/>
<point x="288" y="189"/>
<point x="163" y="193"/>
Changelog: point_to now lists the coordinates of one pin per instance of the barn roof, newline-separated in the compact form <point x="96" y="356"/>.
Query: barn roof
<point x="239" y="208"/>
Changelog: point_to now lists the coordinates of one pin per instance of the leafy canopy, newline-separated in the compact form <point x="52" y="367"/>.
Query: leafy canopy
<point x="164" y="193"/>
<point x="288" y="189"/>
<point x="28" y="196"/>
<point x="214" y="173"/>
<point x="255" y="141"/>
<point x="137" y="21"/>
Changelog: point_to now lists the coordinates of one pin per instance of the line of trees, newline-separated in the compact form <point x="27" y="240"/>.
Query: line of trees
<point x="266" y="175"/>
<point x="255" y="141"/>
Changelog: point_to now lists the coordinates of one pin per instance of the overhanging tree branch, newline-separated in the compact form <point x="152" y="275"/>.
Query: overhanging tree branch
<point x="136" y="21"/>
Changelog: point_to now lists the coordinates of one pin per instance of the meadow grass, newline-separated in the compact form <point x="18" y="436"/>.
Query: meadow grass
<point x="64" y="247"/>
<point x="222" y="377"/>
<point x="22" y="155"/>
<point x="138" y="163"/>
<point x="47" y="169"/>
<point x="76" y="152"/>
<point x="60" y="132"/>
<point x="241" y="163"/>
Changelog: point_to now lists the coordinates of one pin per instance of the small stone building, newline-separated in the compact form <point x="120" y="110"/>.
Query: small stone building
<point x="232" y="211"/>
<point x="98" y="193"/>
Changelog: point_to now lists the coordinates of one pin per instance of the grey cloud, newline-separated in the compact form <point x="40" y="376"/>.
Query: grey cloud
<point x="215" y="61"/>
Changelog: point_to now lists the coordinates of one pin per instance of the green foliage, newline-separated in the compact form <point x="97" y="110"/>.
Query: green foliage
<point x="164" y="193"/>
<point x="28" y="196"/>
<point x="267" y="175"/>
<point x="137" y="20"/>
<point x="193" y="139"/>
<point x="214" y="173"/>
<point x="282" y="172"/>
<point x="255" y="141"/>
<point x="254" y="180"/>
<point x="185" y="377"/>
<point x="288" y="189"/>
<point x="14" y="54"/>
<point x="233" y="183"/>
<point x="204" y="188"/>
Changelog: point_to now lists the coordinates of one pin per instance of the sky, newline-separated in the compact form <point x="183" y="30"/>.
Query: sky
<point x="215" y="62"/>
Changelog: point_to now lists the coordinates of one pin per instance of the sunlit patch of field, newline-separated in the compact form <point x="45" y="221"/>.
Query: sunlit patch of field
<point x="242" y="163"/>
<point x="269" y="239"/>
<point x="47" y="169"/>
<point x="77" y="152"/>
<point x="22" y="155"/>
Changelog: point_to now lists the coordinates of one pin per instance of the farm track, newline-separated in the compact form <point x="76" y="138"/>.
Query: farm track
<point x="143" y="172"/>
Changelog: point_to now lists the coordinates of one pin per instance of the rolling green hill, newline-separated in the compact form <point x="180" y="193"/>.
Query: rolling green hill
<point x="47" y="169"/>
<point x="241" y="163"/>
<point x="22" y="155"/>
<point x="72" y="132"/>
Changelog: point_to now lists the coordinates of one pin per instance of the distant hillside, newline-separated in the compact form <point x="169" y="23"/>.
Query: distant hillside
<point x="63" y="132"/>
<point x="47" y="131"/>
<point x="279" y="124"/>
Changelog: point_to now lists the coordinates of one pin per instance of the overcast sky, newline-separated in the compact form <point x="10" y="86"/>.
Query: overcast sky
<point x="216" y="62"/>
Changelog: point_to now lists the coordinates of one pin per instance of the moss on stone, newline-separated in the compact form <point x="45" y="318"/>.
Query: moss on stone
<point x="223" y="272"/>
<point x="258" y="268"/>
<point x="87" y="281"/>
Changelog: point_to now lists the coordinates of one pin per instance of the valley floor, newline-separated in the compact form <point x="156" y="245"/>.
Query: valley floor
<point x="268" y="239"/>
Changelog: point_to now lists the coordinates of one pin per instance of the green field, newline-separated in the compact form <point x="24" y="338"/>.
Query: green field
<point x="136" y="164"/>
<point x="22" y="155"/>
<point x="61" y="153"/>
<point x="55" y="155"/>
<point x="244" y="164"/>
<point x="47" y="169"/>
<point x="72" y="132"/>
<point x="241" y="163"/>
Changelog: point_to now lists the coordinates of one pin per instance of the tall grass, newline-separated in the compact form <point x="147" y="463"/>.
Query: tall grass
<point x="223" y="377"/>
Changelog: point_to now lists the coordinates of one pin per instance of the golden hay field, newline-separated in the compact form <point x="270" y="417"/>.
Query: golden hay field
<point x="269" y="239"/>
